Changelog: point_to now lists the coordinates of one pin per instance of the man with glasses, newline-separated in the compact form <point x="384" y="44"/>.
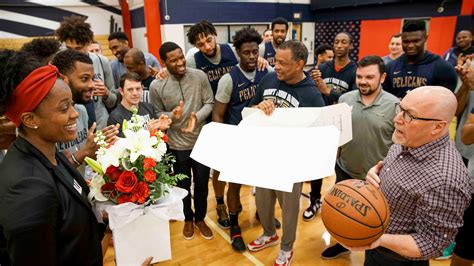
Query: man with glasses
<point x="424" y="180"/>
<point x="373" y="110"/>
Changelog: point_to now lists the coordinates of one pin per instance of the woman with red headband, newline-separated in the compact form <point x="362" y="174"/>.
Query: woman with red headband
<point x="44" y="211"/>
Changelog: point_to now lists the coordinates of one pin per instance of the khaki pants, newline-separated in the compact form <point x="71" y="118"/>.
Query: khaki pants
<point x="290" y="205"/>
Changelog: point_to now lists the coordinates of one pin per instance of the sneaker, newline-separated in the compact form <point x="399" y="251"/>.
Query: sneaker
<point x="238" y="244"/>
<point x="311" y="211"/>
<point x="334" y="252"/>
<point x="447" y="252"/>
<point x="263" y="242"/>
<point x="284" y="258"/>
<point x="204" y="230"/>
<point x="222" y="216"/>
<point x="188" y="230"/>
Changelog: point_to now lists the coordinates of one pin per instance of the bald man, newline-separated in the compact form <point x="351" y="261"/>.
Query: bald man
<point x="134" y="61"/>
<point x="424" y="180"/>
<point x="463" y="46"/>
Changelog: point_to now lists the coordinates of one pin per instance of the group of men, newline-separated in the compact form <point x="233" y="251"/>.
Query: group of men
<point x="394" y="120"/>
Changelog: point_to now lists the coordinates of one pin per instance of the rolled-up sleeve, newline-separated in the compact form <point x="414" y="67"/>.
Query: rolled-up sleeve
<point x="439" y="215"/>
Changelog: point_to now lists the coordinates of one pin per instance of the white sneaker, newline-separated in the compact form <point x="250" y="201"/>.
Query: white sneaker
<point x="284" y="258"/>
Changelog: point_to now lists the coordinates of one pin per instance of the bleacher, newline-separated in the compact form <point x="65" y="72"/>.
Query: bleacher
<point x="17" y="43"/>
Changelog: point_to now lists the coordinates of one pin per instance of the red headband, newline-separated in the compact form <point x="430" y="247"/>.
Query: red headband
<point x="31" y="91"/>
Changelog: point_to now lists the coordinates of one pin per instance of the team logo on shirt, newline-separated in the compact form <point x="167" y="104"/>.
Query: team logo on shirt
<point x="282" y="99"/>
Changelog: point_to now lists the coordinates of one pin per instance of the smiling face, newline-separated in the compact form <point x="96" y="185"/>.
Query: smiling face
<point x="55" y="116"/>
<point x="81" y="82"/>
<point x="176" y="63"/>
<point x="248" y="54"/>
<point x="368" y="79"/>
<point x="131" y="93"/>
<point x="286" y="69"/>
<point x="119" y="48"/>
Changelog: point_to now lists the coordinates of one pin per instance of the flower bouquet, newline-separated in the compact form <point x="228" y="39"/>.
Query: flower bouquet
<point x="134" y="172"/>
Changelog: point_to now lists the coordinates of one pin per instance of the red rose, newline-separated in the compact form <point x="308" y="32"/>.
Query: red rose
<point x="148" y="163"/>
<point x="141" y="192"/>
<point x="124" y="198"/>
<point x="113" y="173"/>
<point x="165" y="138"/>
<point x="108" y="187"/>
<point x="150" y="176"/>
<point x="126" y="182"/>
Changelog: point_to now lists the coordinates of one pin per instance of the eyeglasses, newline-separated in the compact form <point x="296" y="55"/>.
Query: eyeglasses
<point x="409" y="117"/>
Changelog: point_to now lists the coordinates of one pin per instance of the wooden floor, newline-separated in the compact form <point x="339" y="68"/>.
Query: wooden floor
<point x="311" y="239"/>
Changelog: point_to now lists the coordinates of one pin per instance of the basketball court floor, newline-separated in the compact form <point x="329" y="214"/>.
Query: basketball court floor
<point x="311" y="239"/>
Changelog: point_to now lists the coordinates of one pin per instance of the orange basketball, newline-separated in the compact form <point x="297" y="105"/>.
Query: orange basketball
<point x="355" y="213"/>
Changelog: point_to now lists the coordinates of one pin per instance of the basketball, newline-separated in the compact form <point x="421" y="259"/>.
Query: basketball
<point x="355" y="213"/>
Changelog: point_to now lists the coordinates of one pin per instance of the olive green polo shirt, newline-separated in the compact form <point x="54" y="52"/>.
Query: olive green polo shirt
<point x="372" y="129"/>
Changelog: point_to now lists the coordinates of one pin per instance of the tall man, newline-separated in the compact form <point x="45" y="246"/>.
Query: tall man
<point x="373" y="110"/>
<point x="463" y="46"/>
<point x="215" y="60"/>
<point x="234" y="92"/>
<point x="134" y="61"/>
<point x="287" y="87"/>
<point x="77" y="34"/>
<point x="185" y="96"/>
<point x="424" y="181"/>
<point x="417" y="67"/>
<point x="267" y="50"/>
<point x="119" y="45"/>
<point x="336" y="77"/>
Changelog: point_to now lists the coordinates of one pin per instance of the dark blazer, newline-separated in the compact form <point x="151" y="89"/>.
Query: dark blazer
<point x="45" y="220"/>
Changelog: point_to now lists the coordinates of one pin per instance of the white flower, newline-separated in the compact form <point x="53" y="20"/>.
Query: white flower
<point x="160" y="151"/>
<point x="140" y="143"/>
<point x="95" y="186"/>
<point x="112" y="155"/>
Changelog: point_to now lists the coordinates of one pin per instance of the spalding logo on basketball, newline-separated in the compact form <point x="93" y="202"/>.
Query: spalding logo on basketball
<point x="355" y="213"/>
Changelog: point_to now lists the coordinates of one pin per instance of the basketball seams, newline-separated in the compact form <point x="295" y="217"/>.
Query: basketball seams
<point x="353" y="239"/>
<point x="375" y="209"/>
<point x="336" y="209"/>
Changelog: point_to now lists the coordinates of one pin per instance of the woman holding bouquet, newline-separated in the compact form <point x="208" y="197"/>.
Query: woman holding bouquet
<point x="44" y="211"/>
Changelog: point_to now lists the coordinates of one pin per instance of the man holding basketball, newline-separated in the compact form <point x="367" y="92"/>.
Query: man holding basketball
<point x="373" y="110"/>
<point x="424" y="180"/>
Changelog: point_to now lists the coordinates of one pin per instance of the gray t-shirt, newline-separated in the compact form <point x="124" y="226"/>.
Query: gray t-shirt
<point x="195" y="90"/>
<point x="372" y="129"/>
